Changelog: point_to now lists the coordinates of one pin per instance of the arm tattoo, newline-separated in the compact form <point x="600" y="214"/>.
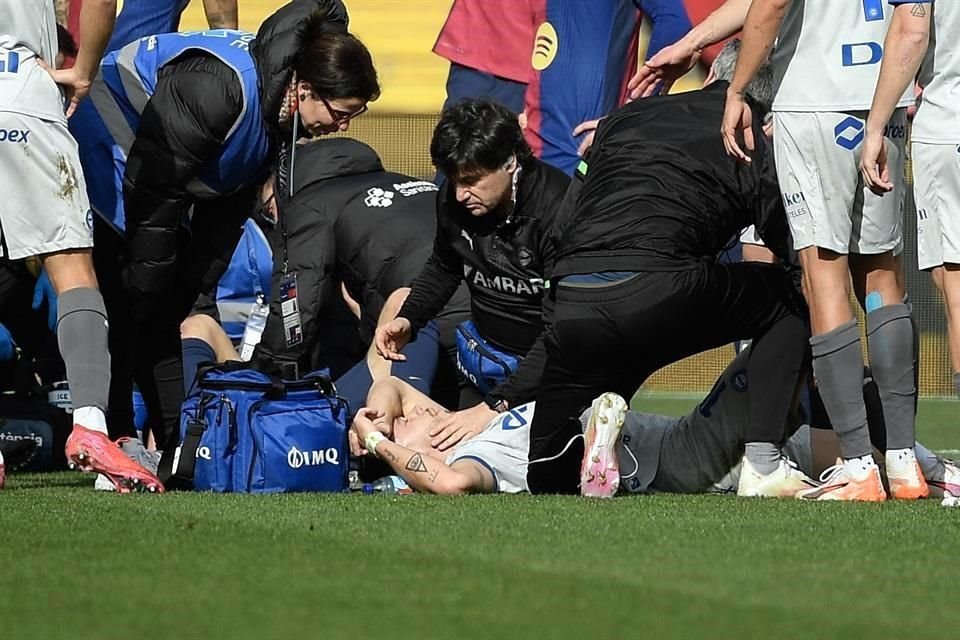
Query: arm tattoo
<point x="919" y="10"/>
<point x="416" y="464"/>
<point x="391" y="456"/>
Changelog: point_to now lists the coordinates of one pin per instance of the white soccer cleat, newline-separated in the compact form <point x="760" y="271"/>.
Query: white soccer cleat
<point x="944" y="481"/>
<point x="600" y="470"/>
<point x="904" y="476"/>
<point x="785" y="482"/>
<point x="838" y="484"/>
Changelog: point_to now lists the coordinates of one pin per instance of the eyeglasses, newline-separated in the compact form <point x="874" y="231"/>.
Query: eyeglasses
<point x="338" y="116"/>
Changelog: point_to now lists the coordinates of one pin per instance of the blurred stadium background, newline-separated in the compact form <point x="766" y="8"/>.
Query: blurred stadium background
<point x="401" y="34"/>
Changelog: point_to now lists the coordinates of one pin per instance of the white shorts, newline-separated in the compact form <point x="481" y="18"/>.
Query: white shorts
<point x="817" y="157"/>
<point x="43" y="196"/>
<point x="936" y="180"/>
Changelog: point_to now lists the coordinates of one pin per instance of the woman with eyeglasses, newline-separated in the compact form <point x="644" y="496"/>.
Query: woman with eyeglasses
<point x="177" y="133"/>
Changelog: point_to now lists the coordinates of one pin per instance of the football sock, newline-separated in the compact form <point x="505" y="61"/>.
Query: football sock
<point x="930" y="463"/>
<point x="890" y="345"/>
<point x="916" y="350"/>
<point x="82" y="335"/>
<point x="91" y="418"/>
<point x="195" y="352"/>
<point x="838" y="369"/>
<point x="763" y="456"/>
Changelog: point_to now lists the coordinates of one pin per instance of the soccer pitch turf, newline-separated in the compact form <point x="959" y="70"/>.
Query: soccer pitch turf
<point x="79" y="564"/>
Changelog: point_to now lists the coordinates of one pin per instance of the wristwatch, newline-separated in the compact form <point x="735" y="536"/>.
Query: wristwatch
<point x="498" y="404"/>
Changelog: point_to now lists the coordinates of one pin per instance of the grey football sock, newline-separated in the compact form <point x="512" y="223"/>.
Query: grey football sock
<point x="82" y="336"/>
<point x="916" y="351"/>
<point x="838" y="369"/>
<point x="763" y="456"/>
<point x="890" y="345"/>
<point x="956" y="383"/>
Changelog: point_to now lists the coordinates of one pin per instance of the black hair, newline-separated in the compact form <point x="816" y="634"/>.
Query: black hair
<point x="65" y="42"/>
<point x="477" y="135"/>
<point x="335" y="65"/>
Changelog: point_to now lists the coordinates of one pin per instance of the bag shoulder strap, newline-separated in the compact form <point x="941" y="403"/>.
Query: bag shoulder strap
<point x="186" y="459"/>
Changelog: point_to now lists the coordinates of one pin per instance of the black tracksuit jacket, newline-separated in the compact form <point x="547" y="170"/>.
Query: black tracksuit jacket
<point x="505" y="264"/>
<point x="350" y="221"/>
<point x="660" y="193"/>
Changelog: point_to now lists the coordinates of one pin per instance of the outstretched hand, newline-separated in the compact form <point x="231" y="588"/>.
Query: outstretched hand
<point x="658" y="74"/>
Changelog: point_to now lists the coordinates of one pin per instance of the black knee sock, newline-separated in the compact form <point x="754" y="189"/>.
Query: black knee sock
<point x="776" y="359"/>
<point x="195" y="351"/>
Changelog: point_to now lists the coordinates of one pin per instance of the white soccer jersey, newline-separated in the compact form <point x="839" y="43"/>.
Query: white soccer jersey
<point x="502" y="448"/>
<point x="938" y="118"/>
<point x="828" y="53"/>
<point x="28" y="31"/>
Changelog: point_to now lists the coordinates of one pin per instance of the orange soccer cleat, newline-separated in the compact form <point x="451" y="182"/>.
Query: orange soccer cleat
<point x="91" y="450"/>
<point x="840" y="485"/>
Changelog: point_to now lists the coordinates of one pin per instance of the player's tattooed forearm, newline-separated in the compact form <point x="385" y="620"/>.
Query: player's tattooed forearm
<point x="416" y="464"/>
<point x="919" y="10"/>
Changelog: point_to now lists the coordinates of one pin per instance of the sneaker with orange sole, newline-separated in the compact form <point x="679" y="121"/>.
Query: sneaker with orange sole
<point x="91" y="450"/>
<point x="905" y="476"/>
<point x="600" y="470"/>
<point x="837" y="484"/>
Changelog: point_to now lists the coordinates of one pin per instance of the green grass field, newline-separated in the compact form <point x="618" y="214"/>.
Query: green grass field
<point x="75" y="564"/>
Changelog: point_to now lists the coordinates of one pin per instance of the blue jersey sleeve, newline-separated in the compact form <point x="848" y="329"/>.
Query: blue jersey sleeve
<point x="669" y="19"/>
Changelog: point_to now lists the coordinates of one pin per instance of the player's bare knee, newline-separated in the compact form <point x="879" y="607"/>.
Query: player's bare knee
<point x="200" y="327"/>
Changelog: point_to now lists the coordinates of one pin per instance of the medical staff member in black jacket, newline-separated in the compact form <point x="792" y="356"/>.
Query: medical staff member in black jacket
<point x="183" y="126"/>
<point x="638" y="284"/>
<point x="494" y="220"/>
<point x="351" y="223"/>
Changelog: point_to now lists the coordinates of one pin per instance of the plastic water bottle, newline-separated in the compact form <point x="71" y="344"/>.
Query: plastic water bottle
<point x="394" y="485"/>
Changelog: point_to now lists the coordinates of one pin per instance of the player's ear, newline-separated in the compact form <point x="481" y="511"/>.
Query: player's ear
<point x="511" y="165"/>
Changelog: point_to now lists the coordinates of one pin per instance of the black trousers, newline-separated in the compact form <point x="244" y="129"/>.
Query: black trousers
<point x="612" y="338"/>
<point x="145" y="348"/>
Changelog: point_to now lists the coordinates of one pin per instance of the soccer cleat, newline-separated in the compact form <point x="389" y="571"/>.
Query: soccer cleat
<point x="17" y="454"/>
<point x="945" y="480"/>
<point x="600" y="470"/>
<point x="133" y="447"/>
<point x="91" y="450"/>
<point x="904" y="475"/>
<point x="837" y="484"/>
<point x="784" y="482"/>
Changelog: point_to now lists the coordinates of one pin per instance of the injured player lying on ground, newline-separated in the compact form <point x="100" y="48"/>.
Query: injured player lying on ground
<point x="629" y="451"/>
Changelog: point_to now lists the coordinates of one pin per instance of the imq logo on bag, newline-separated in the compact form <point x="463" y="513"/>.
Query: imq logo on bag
<point x="297" y="458"/>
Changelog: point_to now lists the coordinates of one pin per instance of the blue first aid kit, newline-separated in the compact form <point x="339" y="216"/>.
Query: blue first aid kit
<point x="245" y="431"/>
<point x="484" y="365"/>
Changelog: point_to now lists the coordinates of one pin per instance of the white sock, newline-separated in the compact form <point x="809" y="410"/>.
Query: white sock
<point x="858" y="468"/>
<point x="92" y="418"/>
<point x="1" y="458"/>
